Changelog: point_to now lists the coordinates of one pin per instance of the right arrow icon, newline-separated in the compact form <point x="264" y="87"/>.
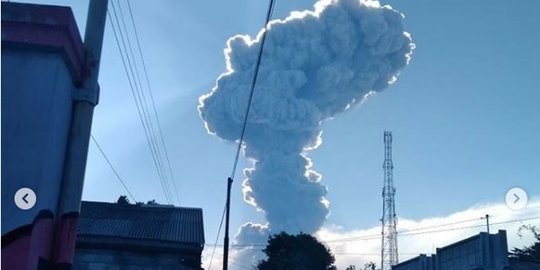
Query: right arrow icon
<point x="516" y="198"/>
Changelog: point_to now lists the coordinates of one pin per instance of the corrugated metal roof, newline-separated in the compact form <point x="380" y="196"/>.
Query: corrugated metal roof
<point x="176" y="224"/>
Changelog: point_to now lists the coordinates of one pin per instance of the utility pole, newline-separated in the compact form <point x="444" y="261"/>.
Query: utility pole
<point x="389" y="248"/>
<point x="487" y="222"/>
<point x="84" y="100"/>
<point x="226" y="238"/>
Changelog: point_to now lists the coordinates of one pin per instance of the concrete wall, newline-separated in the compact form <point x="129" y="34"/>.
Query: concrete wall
<point x="516" y="264"/>
<point x="36" y="115"/>
<point x="421" y="262"/>
<point x="101" y="259"/>
<point x="484" y="251"/>
<point x="42" y="65"/>
<point x="481" y="252"/>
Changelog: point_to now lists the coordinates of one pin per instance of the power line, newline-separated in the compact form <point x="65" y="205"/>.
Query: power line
<point x="143" y="100"/>
<point x="241" y="140"/>
<point x="407" y="232"/>
<point x="144" y="106"/>
<point x="260" y="247"/>
<point x="444" y="230"/>
<point x="377" y="235"/>
<point x="217" y="238"/>
<point x="112" y="168"/>
<point x="252" y="88"/>
<point x="473" y="226"/>
<point x="373" y="254"/>
<point x="152" y="99"/>
<point x="135" y="93"/>
<point x="441" y="225"/>
<point x="241" y="262"/>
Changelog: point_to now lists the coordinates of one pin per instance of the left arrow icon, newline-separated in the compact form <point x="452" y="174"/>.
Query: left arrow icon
<point x="25" y="198"/>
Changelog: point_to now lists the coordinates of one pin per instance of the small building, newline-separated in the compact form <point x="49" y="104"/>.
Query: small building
<point x="134" y="237"/>
<point x="43" y="69"/>
<point x="480" y="252"/>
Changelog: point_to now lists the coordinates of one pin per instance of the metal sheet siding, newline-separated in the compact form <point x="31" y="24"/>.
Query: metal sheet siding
<point x="176" y="224"/>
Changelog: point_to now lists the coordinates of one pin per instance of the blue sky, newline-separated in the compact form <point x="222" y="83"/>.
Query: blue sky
<point x="464" y="113"/>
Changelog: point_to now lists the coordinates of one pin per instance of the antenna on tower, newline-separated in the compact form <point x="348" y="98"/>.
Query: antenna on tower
<point x="389" y="248"/>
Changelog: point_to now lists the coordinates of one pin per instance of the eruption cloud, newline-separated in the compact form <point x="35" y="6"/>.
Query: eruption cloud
<point x="315" y="65"/>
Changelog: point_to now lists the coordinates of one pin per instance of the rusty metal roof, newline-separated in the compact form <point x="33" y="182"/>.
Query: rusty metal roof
<point x="156" y="222"/>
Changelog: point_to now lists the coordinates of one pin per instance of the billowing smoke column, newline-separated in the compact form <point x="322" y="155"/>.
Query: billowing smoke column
<point x="315" y="65"/>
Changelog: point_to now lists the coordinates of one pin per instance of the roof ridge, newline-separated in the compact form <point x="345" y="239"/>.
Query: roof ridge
<point x="176" y="224"/>
<point x="143" y="206"/>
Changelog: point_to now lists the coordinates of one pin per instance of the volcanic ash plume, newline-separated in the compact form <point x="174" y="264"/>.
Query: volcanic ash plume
<point x="315" y="65"/>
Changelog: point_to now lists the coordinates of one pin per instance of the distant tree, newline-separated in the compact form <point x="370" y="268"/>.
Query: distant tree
<point x="369" y="266"/>
<point x="296" y="252"/>
<point x="123" y="199"/>
<point x="528" y="253"/>
<point x="151" y="202"/>
<point x="351" y="267"/>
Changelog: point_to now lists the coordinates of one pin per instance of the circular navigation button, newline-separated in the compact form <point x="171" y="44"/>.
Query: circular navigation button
<point x="516" y="198"/>
<point x="25" y="198"/>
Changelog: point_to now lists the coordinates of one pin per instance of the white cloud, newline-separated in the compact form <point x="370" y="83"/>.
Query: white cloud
<point x="360" y="246"/>
<point x="357" y="247"/>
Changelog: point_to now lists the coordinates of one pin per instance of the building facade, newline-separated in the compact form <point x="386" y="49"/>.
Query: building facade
<point x="136" y="237"/>
<point x="480" y="252"/>
<point x="43" y="69"/>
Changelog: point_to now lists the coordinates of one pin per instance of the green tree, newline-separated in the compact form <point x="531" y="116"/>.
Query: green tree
<point x="152" y="202"/>
<point x="531" y="252"/>
<point x="296" y="252"/>
<point x="369" y="266"/>
<point x="123" y="199"/>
